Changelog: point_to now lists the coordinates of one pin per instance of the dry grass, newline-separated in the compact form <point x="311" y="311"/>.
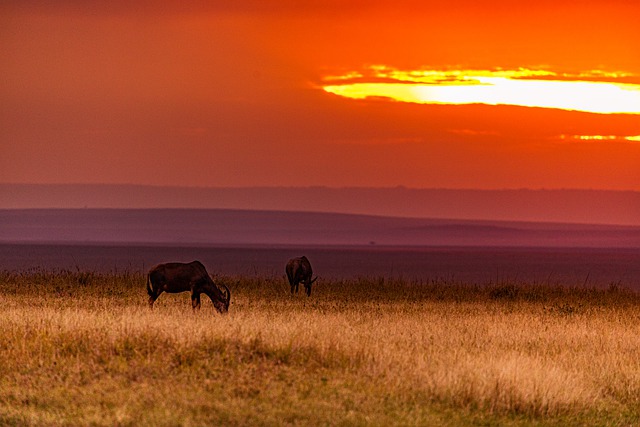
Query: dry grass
<point x="83" y="348"/>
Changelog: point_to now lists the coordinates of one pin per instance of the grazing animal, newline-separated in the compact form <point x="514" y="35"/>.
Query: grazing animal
<point x="177" y="277"/>
<point x="299" y="271"/>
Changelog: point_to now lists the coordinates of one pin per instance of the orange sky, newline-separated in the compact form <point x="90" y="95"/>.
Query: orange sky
<point x="165" y="93"/>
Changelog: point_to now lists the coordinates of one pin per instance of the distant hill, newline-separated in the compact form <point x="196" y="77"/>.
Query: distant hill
<point x="563" y="206"/>
<point x="242" y="227"/>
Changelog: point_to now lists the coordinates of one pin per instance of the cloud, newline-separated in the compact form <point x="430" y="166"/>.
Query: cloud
<point x="177" y="7"/>
<point x="328" y="8"/>
<point x="474" y="132"/>
<point x="600" y="138"/>
<point x="519" y="87"/>
<point x="461" y="75"/>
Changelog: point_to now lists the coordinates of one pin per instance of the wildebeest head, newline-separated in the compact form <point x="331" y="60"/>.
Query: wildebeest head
<point x="222" y="303"/>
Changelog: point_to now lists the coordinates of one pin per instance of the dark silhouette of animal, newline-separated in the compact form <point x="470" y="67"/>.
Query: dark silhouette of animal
<point x="177" y="277"/>
<point x="299" y="271"/>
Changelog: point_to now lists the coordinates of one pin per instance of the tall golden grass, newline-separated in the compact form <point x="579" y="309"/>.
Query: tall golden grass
<point x="84" y="348"/>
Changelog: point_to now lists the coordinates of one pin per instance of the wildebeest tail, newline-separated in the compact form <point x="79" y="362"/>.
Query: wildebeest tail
<point x="149" y="290"/>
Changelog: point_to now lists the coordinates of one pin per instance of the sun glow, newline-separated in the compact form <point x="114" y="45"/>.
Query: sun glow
<point x="634" y="138"/>
<point x="587" y="92"/>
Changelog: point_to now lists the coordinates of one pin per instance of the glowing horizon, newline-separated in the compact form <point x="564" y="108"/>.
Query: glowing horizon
<point x="585" y="92"/>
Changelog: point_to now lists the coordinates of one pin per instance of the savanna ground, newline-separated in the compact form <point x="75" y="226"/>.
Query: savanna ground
<point x="82" y="348"/>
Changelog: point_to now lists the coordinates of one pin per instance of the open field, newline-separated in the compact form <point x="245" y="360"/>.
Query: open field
<point x="82" y="348"/>
<point x="597" y="267"/>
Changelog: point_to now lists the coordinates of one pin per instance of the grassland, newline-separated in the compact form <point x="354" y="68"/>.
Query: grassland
<point x="80" y="348"/>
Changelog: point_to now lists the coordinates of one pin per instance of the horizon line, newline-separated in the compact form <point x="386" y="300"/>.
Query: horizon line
<point x="327" y="187"/>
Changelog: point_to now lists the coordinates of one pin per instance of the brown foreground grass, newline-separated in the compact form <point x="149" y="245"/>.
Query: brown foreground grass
<point x="84" y="349"/>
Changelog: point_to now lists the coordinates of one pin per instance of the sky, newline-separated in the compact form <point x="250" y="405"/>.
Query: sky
<point x="467" y="94"/>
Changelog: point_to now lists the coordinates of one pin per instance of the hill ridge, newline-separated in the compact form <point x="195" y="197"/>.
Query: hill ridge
<point x="560" y="205"/>
<point x="251" y="227"/>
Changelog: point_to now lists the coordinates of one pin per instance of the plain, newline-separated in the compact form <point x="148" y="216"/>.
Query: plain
<point x="83" y="348"/>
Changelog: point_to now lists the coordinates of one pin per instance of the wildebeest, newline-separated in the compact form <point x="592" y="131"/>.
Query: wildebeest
<point x="177" y="277"/>
<point x="299" y="271"/>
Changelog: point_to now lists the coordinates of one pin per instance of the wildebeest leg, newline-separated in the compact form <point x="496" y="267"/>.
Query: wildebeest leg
<point x="292" y="288"/>
<point x="308" y="289"/>
<point x="195" y="301"/>
<point x="153" y="298"/>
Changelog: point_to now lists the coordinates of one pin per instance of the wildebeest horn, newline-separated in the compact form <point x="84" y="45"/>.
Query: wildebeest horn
<point x="313" y="280"/>
<point x="227" y="293"/>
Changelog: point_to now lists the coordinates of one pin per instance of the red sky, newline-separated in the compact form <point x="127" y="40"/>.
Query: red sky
<point x="166" y="93"/>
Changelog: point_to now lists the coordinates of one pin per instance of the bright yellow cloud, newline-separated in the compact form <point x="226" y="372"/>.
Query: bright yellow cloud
<point x="526" y="88"/>
<point x="601" y="137"/>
